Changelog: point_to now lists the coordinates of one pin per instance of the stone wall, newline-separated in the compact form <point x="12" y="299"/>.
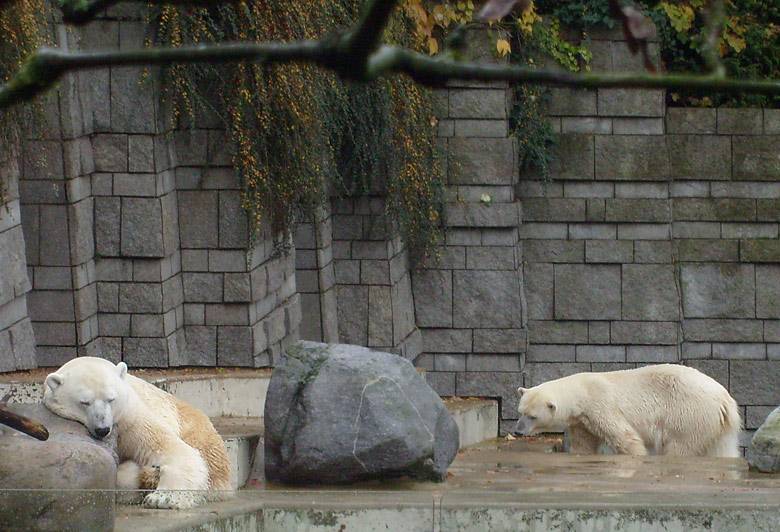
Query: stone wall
<point x="656" y="240"/>
<point x="137" y="244"/>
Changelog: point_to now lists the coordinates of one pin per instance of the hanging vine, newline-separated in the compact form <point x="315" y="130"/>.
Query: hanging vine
<point x="298" y="133"/>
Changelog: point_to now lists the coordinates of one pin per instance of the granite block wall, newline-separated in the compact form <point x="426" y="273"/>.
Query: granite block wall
<point x="656" y="240"/>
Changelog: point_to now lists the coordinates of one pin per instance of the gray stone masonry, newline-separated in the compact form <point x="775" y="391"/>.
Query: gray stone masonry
<point x="469" y="301"/>
<point x="655" y="241"/>
<point x="374" y="301"/>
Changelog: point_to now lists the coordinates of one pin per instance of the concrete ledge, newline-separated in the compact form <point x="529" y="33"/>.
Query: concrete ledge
<point x="477" y="419"/>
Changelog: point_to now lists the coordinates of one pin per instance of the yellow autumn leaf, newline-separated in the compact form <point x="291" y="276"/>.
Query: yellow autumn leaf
<point x="736" y="42"/>
<point x="503" y="47"/>
<point x="433" y="46"/>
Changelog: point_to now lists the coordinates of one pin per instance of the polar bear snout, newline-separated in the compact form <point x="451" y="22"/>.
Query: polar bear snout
<point x="523" y="427"/>
<point x="100" y="419"/>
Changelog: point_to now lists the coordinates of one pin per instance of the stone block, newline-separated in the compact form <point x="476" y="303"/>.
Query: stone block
<point x="767" y="291"/>
<point x="480" y="128"/>
<point x="632" y="157"/>
<point x="696" y="350"/>
<point x="553" y="209"/>
<point x="13" y="275"/>
<point x="546" y="231"/>
<point x="597" y="209"/>
<point x="478" y="103"/>
<point x="587" y="292"/>
<point x="110" y="153"/>
<point x="690" y="120"/>
<point x="768" y="210"/>
<point x="539" y="290"/>
<point x="403" y="312"/>
<point x="491" y="384"/>
<point x="107" y="226"/>
<point x="652" y="251"/>
<point x="718" y="290"/>
<point x="114" y="324"/>
<point x="132" y="104"/>
<point x="572" y="102"/>
<point x="692" y="189"/>
<point x="642" y="190"/>
<point x="756" y="158"/>
<point x="443" y="362"/>
<point x="352" y="309"/>
<point x="558" y="332"/>
<point x="700" y="156"/>
<point x="198" y="219"/>
<point x="482" y="161"/>
<point x="54" y="246"/>
<point x="81" y="231"/>
<point x="191" y="146"/>
<point x="638" y="126"/>
<point x="222" y="260"/>
<point x="609" y="251"/>
<point x="644" y="332"/>
<point x="649" y="292"/>
<point x="147" y="325"/>
<point x="433" y="304"/>
<point x="631" y="102"/>
<point x="599" y="126"/>
<point x="447" y="340"/>
<point x="652" y="354"/>
<point x="714" y="209"/>
<point x="140" y="153"/>
<point x="376" y="272"/>
<point x="588" y="190"/>
<point x="140" y="297"/>
<point x="573" y="157"/>
<point x="740" y="121"/>
<point x="55" y="333"/>
<point x="554" y="251"/>
<point x="233" y="228"/>
<point x="722" y="330"/>
<point x="637" y="210"/>
<point x="142" y="228"/>
<point x="482" y="362"/>
<point x="598" y="332"/>
<point x="480" y="215"/>
<point x="228" y="314"/>
<point x="540" y="372"/>
<point x="145" y="352"/>
<point x="475" y="291"/>
<point x="234" y="346"/>
<point x="443" y="383"/>
<point x="698" y="230"/>
<point x="380" y="317"/>
<point x="600" y="353"/>
<point x="760" y="250"/>
<point x="490" y="258"/>
<point x="717" y="369"/>
<point x="739" y="351"/>
<point x="550" y="353"/>
<point x="42" y="159"/>
<point x="499" y="340"/>
<point x="45" y="305"/>
<point x="753" y="382"/>
<point x="749" y="230"/>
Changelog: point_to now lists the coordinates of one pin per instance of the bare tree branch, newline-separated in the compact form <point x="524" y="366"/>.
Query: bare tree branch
<point x="45" y="66"/>
<point x="355" y="55"/>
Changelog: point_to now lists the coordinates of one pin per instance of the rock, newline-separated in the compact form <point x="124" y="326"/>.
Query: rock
<point x="61" y="429"/>
<point x="64" y="484"/>
<point x="339" y="413"/>
<point x="763" y="453"/>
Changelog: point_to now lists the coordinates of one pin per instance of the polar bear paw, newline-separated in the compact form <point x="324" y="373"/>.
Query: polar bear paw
<point x="173" y="500"/>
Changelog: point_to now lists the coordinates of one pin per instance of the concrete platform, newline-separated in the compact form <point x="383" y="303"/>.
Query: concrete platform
<point x="507" y="486"/>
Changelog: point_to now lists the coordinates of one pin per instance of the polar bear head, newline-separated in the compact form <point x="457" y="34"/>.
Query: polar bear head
<point x="90" y="390"/>
<point x="537" y="412"/>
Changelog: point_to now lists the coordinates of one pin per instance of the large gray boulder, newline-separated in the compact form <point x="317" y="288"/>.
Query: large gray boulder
<point x="339" y="413"/>
<point x="64" y="484"/>
<point x="763" y="453"/>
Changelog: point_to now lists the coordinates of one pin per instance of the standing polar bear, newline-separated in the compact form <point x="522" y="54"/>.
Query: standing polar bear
<point x="163" y="443"/>
<point x="669" y="409"/>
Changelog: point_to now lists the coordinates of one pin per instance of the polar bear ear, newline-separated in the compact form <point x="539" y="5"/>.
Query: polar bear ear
<point x="121" y="370"/>
<point x="521" y="391"/>
<point x="552" y="407"/>
<point x="53" y="381"/>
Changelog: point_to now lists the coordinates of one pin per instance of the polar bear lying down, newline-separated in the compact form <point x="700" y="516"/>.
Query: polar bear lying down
<point x="163" y="443"/>
<point x="667" y="408"/>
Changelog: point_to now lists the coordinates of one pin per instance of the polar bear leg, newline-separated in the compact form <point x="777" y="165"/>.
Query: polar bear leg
<point x="619" y="435"/>
<point x="582" y="441"/>
<point x="183" y="475"/>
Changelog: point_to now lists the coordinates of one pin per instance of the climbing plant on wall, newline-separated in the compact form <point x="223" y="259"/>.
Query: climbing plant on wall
<point x="300" y="134"/>
<point x="21" y="27"/>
